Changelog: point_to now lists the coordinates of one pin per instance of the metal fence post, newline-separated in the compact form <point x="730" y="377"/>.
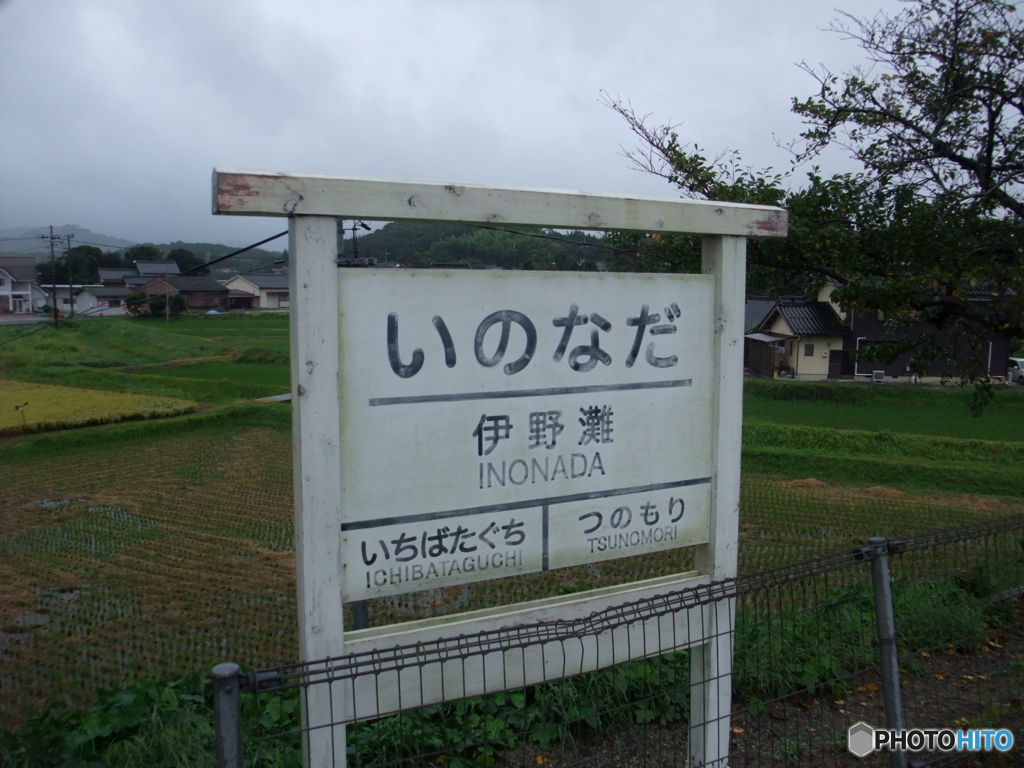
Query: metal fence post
<point x="361" y="614"/>
<point x="227" y="715"/>
<point x="878" y="550"/>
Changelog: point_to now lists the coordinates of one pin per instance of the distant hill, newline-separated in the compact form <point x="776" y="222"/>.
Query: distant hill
<point x="418" y="244"/>
<point x="29" y="240"/>
<point x="257" y="258"/>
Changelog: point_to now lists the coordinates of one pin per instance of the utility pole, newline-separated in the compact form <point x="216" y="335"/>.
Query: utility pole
<point x="71" y="297"/>
<point x="53" y="274"/>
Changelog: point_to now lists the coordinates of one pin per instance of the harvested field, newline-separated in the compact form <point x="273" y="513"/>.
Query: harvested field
<point x="159" y="553"/>
<point x="28" y="408"/>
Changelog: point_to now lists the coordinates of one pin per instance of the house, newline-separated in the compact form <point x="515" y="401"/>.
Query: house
<point x="92" y="300"/>
<point x="201" y="294"/>
<point x="18" y="292"/>
<point x="797" y="338"/>
<point x="989" y="352"/>
<point x="109" y="300"/>
<point x="819" y="340"/>
<point x="157" y="268"/>
<point x="113" y="275"/>
<point x="269" y="291"/>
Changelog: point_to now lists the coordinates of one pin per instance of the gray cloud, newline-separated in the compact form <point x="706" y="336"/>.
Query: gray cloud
<point x="115" y="112"/>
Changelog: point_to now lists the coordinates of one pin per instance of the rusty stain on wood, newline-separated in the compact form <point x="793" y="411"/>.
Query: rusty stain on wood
<point x="776" y="223"/>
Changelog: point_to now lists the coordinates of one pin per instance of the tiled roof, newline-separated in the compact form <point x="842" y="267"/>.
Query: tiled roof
<point x="268" y="281"/>
<point x="114" y="275"/>
<point x="157" y="268"/>
<point x="196" y="283"/>
<point x="108" y="291"/>
<point x="21" y="268"/>
<point x="811" y="318"/>
<point x="756" y="310"/>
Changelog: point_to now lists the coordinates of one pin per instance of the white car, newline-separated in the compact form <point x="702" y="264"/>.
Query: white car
<point x="1015" y="371"/>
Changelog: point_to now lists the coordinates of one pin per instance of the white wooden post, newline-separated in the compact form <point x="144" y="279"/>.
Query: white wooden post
<point x="725" y="257"/>
<point x="313" y="290"/>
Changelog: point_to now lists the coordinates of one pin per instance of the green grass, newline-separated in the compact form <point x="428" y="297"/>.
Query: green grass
<point x="904" y="461"/>
<point x="154" y="358"/>
<point x="40" y="449"/>
<point x="245" y="373"/>
<point x="909" y="438"/>
<point x="814" y="650"/>
<point x="98" y="343"/>
<point x="939" y="411"/>
<point x="176" y="534"/>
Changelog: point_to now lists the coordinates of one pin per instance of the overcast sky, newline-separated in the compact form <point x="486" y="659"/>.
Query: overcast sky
<point x="113" y="113"/>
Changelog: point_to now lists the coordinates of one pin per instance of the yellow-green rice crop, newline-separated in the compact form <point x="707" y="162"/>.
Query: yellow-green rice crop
<point x="26" y="408"/>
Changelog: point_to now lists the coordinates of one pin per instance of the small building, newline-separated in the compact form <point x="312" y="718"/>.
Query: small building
<point x="242" y="300"/>
<point x="271" y="291"/>
<point x="819" y="340"/>
<point x="109" y="300"/>
<point x="18" y="294"/>
<point x="113" y="275"/>
<point x="201" y="294"/>
<point x="76" y="299"/>
<point x="803" y="339"/>
<point x="157" y="268"/>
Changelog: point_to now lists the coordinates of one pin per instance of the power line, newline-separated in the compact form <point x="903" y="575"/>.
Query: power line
<point x="105" y="245"/>
<point x="42" y="324"/>
<point x="236" y="253"/>
<point x="84" y="242"/>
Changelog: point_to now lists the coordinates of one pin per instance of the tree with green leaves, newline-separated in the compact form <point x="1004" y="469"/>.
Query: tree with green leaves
<point x="85" y="263"/>
<point x="932" y="230"/>
<point x="939" y="110"/>
<point x="143" y="252"/>
<point x="187" y="261"/>
<point x="134" y="302"/>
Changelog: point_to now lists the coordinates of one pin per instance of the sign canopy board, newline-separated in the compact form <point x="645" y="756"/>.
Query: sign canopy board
<point x="499" y="423"/>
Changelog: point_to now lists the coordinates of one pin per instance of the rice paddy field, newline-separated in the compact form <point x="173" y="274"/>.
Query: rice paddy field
<point x="26" y="408"/>
<point x="160" y="547"/>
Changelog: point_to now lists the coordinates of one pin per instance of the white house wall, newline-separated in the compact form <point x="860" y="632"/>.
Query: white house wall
<point x="812" y="367"/>
<point x="86" y="302"/>
<point x="15" y="296"/>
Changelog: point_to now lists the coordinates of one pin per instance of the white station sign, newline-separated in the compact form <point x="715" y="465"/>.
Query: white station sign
<point x="498" y="423"/>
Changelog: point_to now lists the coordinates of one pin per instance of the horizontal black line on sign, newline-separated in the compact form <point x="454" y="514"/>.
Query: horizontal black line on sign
<point x="459" y="396"/>
<point x="358" y="525"/>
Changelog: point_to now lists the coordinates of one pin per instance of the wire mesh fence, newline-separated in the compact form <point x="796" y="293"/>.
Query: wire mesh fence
<point x="806" y="650"/>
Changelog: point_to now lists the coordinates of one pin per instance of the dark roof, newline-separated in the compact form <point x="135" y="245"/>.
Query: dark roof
<point x="267" y="281"/>
<point x="157" y="268"/>
<point x="114" y="275"/>
<point x="196" y="284"/>
<point x="137" y="281"/>
<point x="21" y="268"/>
<point x="756" y="309"/>
<point x="809" y="318"/>
<point x="108" y="291"/>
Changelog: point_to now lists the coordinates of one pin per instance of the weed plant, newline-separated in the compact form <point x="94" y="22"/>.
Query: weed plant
<point x="813" y="650"/>
<point x="264" y="356"/>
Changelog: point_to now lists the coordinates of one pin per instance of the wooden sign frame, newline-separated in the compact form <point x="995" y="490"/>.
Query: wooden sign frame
<point x="313" y="204"/>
